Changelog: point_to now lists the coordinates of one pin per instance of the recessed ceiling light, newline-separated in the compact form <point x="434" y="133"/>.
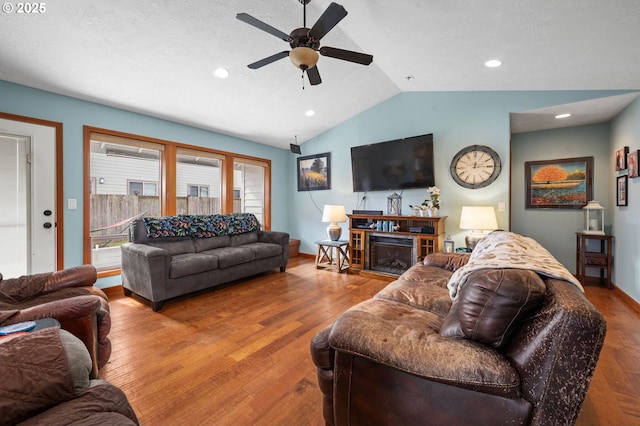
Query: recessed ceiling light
<point x="310" y="113"/>
<point x="563" y="115"/>
<point x="493" y="63"/>
<point x="221" y="73"/>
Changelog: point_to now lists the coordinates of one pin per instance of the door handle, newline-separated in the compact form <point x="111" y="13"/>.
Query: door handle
<point x="47" y="225"/>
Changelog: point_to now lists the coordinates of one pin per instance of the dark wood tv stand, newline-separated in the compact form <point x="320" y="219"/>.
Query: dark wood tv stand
<point x="426" y="235"/>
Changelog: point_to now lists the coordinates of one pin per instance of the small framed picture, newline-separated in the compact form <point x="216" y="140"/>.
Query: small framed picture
<point x="632" y="163"/>
<point x="621" y="190"/>
<point x="621" y="158"/>
<point x="449" y="246"/>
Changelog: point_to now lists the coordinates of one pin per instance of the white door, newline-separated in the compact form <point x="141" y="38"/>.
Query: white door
<point x="27" y="198"/>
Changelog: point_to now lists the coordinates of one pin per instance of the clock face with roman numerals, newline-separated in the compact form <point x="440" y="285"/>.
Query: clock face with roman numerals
<point x="475" y="166"/>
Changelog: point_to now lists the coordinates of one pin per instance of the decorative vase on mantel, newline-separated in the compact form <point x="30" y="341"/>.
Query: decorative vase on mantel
<point x="432" y="212"/>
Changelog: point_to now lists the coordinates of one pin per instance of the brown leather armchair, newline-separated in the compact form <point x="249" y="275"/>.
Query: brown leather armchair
<point x="67" y="296"/>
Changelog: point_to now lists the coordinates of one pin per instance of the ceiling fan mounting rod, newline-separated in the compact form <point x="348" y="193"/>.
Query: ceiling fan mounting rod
<point x="304" y="11"/>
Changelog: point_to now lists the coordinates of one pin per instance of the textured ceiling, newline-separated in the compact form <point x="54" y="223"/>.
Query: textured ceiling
<point x="157" y="57"/>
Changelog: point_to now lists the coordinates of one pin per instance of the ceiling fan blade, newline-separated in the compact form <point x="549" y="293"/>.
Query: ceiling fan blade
<point x="262" y="26"/>
<point x="329" y="19"/>
<point x="346" y="55"/>
<point x="314" y="76"/>
<point x="268" y="60"/>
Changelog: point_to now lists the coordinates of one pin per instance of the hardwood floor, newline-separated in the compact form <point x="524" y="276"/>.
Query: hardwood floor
<point x="240" y="355"/>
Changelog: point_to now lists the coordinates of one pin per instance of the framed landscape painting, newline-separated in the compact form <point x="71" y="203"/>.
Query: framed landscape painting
<point x="560" y="184"/>
<point x="314" y="172"/>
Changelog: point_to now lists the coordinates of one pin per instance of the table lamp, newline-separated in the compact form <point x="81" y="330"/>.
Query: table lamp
<point x="334" y="214"/>
<point x="478" y="219"/>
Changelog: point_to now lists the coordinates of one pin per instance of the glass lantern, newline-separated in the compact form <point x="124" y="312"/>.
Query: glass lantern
<point x="593" y="218"/>
<point x="394" y="205"/>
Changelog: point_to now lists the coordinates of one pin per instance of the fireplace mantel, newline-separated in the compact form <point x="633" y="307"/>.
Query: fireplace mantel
<point x="426" y="233"/>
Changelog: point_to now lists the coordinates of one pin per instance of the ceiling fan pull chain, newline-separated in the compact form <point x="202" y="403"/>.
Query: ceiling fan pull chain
<point x="302" y="79"/>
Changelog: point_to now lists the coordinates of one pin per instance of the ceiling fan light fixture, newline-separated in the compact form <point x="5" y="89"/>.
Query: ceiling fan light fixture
<point x="304" y="57"/>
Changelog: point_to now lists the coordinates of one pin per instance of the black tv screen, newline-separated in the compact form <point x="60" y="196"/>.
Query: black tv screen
<point x="397" y="164"/>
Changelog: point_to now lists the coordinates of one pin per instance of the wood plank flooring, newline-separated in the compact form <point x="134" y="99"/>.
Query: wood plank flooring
<point x="240" y="355"/>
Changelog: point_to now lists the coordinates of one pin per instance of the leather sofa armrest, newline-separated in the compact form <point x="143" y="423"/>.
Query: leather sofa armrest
<point x="323" y="356"/>
<point x="449" y="261"/>
<point x="79" y="276"/>
<point x="62" y="310"/>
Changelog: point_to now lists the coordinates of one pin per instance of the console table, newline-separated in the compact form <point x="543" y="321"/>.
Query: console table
<point x="601" y="259"/>
<point x="332" y="254"/>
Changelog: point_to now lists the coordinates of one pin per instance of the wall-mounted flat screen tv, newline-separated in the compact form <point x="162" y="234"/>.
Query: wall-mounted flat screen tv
<point x="397" y="164"/>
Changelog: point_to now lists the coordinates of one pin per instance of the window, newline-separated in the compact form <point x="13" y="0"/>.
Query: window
<point x="249" y="187"/>
<point x="130" y="176"/>
<point x="197" y="191"/>
<point x="200" y="173"/>
<point x="126" y="188"/>
<point x="142" y="188"/>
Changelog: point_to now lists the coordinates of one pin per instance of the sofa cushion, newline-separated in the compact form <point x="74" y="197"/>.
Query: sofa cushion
<point x="405" y="338"/>
<point x="264" y="250"/>
<point x="493" y="303"/>
<point x="421" y="286"/>
<point x="191" y="263"/>
<point x="231" y="256"/>
<point x="246" y="238"/>
<point x="203" y="244"/>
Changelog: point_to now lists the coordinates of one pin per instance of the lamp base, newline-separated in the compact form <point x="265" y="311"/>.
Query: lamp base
<point x="473" y="239"/>
<point x="334" y="231"/>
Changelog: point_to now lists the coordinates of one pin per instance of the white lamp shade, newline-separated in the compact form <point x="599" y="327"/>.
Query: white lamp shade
<point x="478" y="218"/>
<point x="334" y="213"/>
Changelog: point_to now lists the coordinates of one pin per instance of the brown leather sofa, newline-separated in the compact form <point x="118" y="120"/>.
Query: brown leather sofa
<point x="67" y="296"/>
<point x="514" y="347"/>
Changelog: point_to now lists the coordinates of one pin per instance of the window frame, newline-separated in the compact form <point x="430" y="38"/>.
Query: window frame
<point x="167" y="184"/>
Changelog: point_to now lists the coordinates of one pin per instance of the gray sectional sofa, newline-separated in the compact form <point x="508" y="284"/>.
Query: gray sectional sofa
<point x="173" y="256"/>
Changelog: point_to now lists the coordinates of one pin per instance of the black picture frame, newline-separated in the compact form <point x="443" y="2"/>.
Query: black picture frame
<point x="621" y="158"/>
<point x="633" y="162"/>
<point x="560" y="184"/>
<point x="314" y="172"/>
<point x="622" y="185"/>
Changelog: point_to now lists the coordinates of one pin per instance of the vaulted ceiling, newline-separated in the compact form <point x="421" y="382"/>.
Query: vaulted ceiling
<point x="157" y="57"/>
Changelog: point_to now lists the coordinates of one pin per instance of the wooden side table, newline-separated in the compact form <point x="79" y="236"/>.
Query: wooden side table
<point x="333" y="254"/>
<point x="602" y="259"/>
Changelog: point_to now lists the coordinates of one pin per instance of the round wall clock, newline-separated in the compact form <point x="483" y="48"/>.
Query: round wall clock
<point x="475" y="166"/>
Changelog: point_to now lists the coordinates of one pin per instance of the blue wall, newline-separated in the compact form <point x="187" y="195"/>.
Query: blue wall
<point x="555" y="228"/>
<point x="74" y="114"/>
<point x="625" y="131"/>
<point x="459" y="119"/>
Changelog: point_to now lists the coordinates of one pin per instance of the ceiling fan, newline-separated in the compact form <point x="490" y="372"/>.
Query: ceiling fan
<point x="305" y="42"/>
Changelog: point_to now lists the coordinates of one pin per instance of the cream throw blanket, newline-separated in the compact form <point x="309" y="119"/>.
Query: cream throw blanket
<point x="502" y="249"/>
